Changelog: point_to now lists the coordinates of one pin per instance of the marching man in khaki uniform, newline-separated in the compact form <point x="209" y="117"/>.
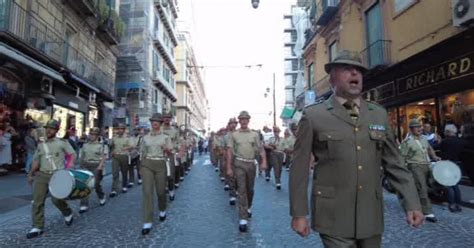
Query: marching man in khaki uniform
<point x="48" y="158"/>
<point x="244" y="145"/>
<point x="156" y="149"/>
<point x="288" y="144"/>
<point x="92" y="158"/>
<point x="134" y="150"/>
<point x="417" y="152"/>
<point x="180" y="157"/>
<point x="120" y="145"/>
<point x="230" y="181"/>
<point x="352" y="140"/>
<point x="275" y="145"/>
<point x="173" y="133"/>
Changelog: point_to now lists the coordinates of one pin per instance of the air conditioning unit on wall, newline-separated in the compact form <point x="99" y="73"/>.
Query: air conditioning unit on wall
<point x="463" y="12"/>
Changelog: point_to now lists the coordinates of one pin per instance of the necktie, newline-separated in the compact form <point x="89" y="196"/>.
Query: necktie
<point x="351" y="109"/>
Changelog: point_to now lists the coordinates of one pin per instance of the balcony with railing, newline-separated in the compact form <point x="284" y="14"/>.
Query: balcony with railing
<point x="33" y="31"/>
<point x="327" y="9"/>
<point x="165" y="17"/>
<point x="166" y="52"/>
<point x="85" y="7"/>
<point x="164" y="83"/>
<point x="377" y="53"/>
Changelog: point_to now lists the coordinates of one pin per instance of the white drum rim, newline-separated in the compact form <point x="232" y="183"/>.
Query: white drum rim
<point x="453" y="178"/>
<point x="59" y="189"/>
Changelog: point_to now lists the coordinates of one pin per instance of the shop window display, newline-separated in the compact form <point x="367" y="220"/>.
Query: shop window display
<point x="457" y="108"/>
<point x="68" y="119"/>
<point x="425" y="111"/>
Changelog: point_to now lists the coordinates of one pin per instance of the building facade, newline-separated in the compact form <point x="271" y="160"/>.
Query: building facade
<point x="419" y="55"/>
<point x="146" y="67"/>
<point x="192" y="105"/>
<point x="58" y="60"/>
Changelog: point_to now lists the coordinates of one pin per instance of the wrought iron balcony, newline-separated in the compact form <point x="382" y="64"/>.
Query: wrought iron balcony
<point x="86" y="7"/>
<point x="377" y="53"/>
<point x="328" y="9"/>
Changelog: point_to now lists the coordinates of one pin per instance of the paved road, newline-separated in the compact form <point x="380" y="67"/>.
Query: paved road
<point x="201" y="217"/>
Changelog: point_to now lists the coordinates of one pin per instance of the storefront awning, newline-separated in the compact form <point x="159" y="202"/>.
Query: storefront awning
<point x="287" y="113"/>
<point x="83" y="82"/>
<point x="197" y="133"/>
<point x="30" y="62"/>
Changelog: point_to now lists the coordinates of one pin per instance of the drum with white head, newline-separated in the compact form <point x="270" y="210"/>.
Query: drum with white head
<point x="446" y="173"/>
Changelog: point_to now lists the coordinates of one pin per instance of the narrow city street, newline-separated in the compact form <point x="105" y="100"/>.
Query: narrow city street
<point x="201" y="217"/>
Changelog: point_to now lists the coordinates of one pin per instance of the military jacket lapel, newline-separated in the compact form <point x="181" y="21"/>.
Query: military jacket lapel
<point x="339" y="111"/>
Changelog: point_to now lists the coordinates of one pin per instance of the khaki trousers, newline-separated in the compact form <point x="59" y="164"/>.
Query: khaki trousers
<point x="338" y="242"/>
<point x="135" y="165"/>
<point x="277" y="164"/>
<point x="421" y="174"/>
<point x="98" y="176"/>
<point x="119" y="165"/>
<point x="245" y="177"/>
<point x="40" y="192"/>
<point x="154" y="178"/>
<point x="171" y="179"/>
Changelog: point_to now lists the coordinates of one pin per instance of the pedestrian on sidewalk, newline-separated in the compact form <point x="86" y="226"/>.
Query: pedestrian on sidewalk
<point x="48" y="158"/>
<point x="451" y="147"/>
<point x="351" y="139"/>
<point x="288" y="145"/>
<point x="418" y="154"/>
<point x="156" y="149"/>
<point x="120" y="145"/>
<point x="5" y="149"/>
<point x="30" y="146"/>
<point x="244" y="145"/>
<point x="93" y="154"/>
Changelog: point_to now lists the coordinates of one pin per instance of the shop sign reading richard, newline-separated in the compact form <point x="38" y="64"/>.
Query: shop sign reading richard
<point x="453" y="69"/>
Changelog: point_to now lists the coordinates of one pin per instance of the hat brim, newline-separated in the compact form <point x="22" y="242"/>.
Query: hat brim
<point x="361" y="67"/>
<point x="55" y="128"/>
<point x="244" y="117"/>
<point x="158" y="120"/>
<point x="418" y="125"/>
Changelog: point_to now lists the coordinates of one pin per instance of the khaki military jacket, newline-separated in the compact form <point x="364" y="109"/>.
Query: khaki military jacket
<point x="346" y="198"/>
<point x="51" y="154"/>
<point x="119" y="143"/>
<point x="173" y="133"/>
<point x="288" y="143"/>
<point x="244" y="144"/>
<point x="93" y="152"/>
<point x="415" y="150"/>
<point x="154" y="145"/>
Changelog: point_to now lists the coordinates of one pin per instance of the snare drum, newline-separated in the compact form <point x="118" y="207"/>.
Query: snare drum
<point x="71" y="184"/>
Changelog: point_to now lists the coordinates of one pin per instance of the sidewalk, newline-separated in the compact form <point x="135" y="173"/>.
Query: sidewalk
<point x="15" y="191"/>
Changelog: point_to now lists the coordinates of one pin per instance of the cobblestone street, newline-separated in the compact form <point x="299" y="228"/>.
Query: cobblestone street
<point x="201" y="217"/>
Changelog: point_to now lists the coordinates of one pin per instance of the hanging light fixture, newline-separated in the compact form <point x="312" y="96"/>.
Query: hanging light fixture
<point x="255" y="3"/>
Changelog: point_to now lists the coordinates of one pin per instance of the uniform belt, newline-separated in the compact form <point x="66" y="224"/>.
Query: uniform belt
<point x="93" y="161"/>
<point x="245" y="160"/>
<point x="48" y="172"/>
<point x="156" y="158"/>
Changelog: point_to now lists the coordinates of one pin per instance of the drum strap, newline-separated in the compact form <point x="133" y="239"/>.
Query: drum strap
<point x="425" y="152"/>
<point x="49" y="156"/>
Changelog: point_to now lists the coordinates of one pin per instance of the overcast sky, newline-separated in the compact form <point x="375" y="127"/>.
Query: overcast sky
<point x="227" y="36"/>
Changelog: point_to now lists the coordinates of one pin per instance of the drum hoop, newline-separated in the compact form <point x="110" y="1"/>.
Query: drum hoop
<point x="52" y="184"/>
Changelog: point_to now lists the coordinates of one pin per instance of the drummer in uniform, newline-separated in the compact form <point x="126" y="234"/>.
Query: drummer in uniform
<point x="48" y="158"/>
<point x="120" y="145"/>
<point x="156" y="149"/>
<point x="92" y="158"/>
<point x="417" y="152"/>
<point x="173" y="133"/>
<point x="244" y="145"/>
